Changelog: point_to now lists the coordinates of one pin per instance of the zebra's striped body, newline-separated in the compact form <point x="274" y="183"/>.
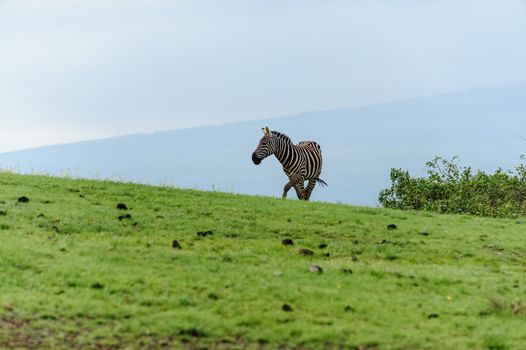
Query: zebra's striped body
<point x="301" y="162"/>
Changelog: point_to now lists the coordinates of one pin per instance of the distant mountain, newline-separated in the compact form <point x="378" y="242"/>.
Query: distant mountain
<point x="360" y="145"/>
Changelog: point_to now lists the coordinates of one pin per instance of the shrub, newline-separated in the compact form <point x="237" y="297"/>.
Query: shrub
<point x="451" y="188"/>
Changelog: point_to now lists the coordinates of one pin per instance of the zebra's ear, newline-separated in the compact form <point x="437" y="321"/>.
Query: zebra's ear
<point x="266" y="131"/>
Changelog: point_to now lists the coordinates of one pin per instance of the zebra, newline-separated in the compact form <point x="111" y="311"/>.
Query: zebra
<point x="301" y="162"/>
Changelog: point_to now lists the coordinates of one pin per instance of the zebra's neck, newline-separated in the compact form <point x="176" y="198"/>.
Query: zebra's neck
<point x="284" y="152"/>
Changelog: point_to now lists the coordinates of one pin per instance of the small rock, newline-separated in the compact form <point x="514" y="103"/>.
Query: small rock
<point x="382" y="241"/>
<point x="315" y="269"/>
<point x="286" y="308"/>
<point x="124" y="216"/>
<point x="23" y="199"/>
<point x="322" y="246"/>
<point x="347" y="271"/>
<point x="176" y="244"/>
<point x="430" y="316"/>
<point x="306" y="252"/>
<point x="391" y="227"/>
<point x="287" y="241"/>
<point x="354" y="258"/>
<point x="122" y="206"/>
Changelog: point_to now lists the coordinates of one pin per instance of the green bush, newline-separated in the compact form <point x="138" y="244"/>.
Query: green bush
<point x="451" y="188"/>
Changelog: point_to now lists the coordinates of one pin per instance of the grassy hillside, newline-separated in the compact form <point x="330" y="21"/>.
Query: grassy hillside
<point x="75" y="276"/>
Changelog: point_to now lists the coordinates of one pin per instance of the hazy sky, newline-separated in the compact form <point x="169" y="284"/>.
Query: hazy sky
<point x="77" y="69"/>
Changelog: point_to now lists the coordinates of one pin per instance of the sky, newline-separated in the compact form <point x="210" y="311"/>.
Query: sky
<point x="75" y="70"/>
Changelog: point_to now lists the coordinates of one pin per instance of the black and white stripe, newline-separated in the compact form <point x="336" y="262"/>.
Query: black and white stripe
<point x="301" y="162"/>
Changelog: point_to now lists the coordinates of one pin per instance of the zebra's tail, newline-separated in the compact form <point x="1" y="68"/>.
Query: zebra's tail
<point x="321" y="182"/>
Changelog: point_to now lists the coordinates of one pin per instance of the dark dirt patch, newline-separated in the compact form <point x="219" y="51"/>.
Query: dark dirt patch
<point x="286" y="308"/>
<point x="97" y="285"/>
<point x="124" y="216"/>
<point x="18" y="333"/>
<point x="306" y="252"/>
<point x="349" y="308"/>
<point x="193" y="332"/>
<point x="122" y="206"/>
<point x="13" y="334"/>
<point x="287" y="241"/>
<point x="205" y="233"/>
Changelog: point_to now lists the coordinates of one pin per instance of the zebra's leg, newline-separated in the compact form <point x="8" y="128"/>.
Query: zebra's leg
<point x="309" y="188"/>
<point x="300" y="191"/>
<point x="292" y="183"/>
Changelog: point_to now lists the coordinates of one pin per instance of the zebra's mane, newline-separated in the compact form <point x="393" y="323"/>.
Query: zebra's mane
<point x="282" y="136"/>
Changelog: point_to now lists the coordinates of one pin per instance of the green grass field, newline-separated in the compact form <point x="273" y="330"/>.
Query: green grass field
<point x="74" y="276"/>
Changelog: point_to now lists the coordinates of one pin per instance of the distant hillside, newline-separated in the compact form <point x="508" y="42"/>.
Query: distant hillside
<point x="360" y="145"/>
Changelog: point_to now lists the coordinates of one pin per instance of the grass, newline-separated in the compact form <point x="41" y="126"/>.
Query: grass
<point x="74" y="276"/>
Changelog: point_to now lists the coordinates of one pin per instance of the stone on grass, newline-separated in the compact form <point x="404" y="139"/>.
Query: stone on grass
<point x="316" y="269"/>
<point x="23" y="199"/>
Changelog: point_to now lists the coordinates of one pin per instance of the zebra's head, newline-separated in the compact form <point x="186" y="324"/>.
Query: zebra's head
<point x="265" y="147"/>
